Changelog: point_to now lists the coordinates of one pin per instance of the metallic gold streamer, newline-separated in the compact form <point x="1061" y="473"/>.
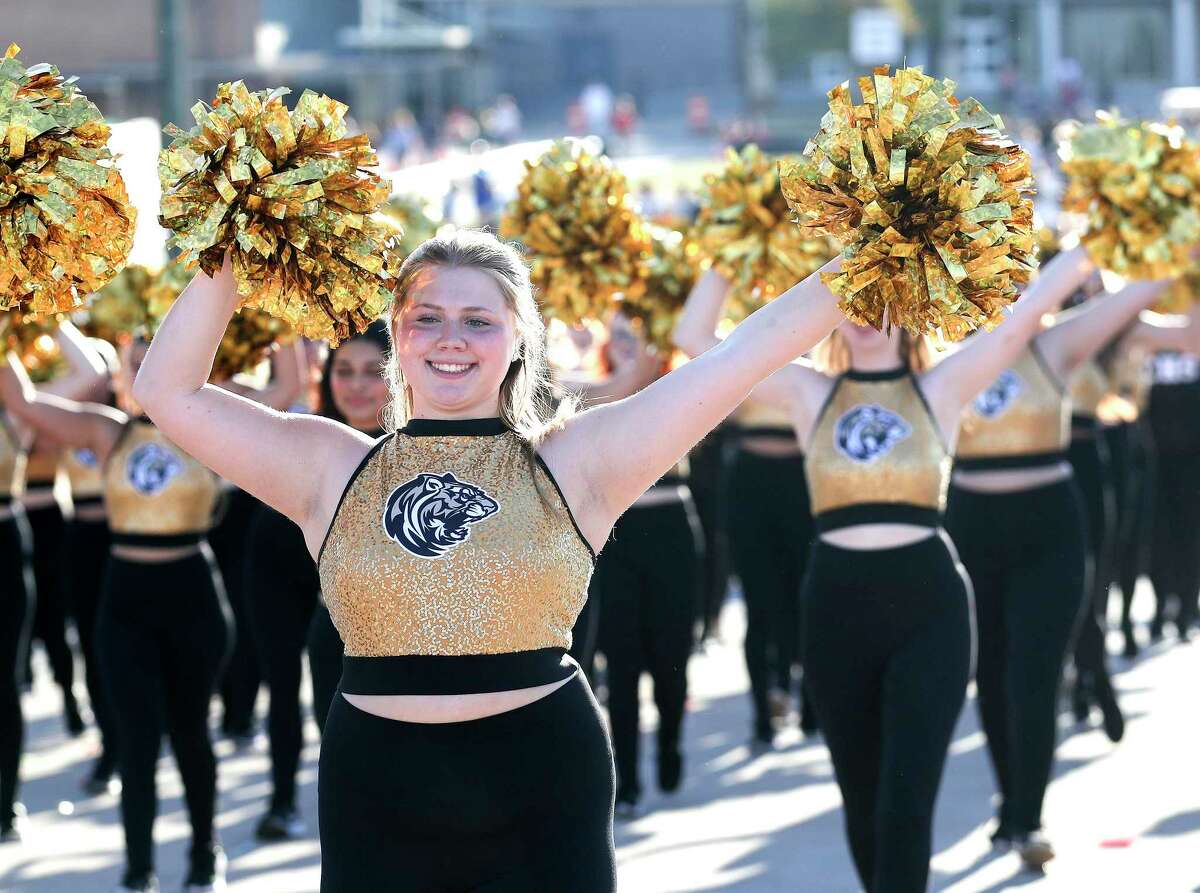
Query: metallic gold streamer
<point x="586" y="244"/>
<point x="1139" y="186"/>
<point x="671" y="270"/>
<point x="288" y="195"/>
<point x="743" y="229"/>
<point x="31" y="337"/>
<point x="928" y="199"/>
<point x="66" y="225"/>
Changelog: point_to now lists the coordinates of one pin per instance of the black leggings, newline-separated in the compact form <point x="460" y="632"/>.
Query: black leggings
<point x="770" y="532"/>
<point x="1025" y="552"/>
<point x="281" y="587"/>
<point x="520" y="802"/>
<point x="16" y="622"/>
<point x="1090" y="461"/>
<point x="709" y="482"/>
<point x="887" y="655"/>
<point x="647" y="577"/>
<point x="325" y="650"/>
<point x="240" y="683"/>
<point x="1132" y="453"/>
<point x="1175" y="568"/>
<point x="85" y="554"/>
<point x="50" y="618"/>
<point x="163" y="634"/>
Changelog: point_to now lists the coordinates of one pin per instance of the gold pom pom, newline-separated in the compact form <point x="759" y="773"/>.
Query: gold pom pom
<point x="287" y="194"/>
<point x="119" y="309"/>
<point x="670" y="274"/>
<point x="585" y="242"/>
<point x="1182" y="295"/>
<point x="928" y="200"/>
<point x="1139" y="185"/>
<point x="66" y="225"/>
<point x="31" y="337"/>
<point x="743" y="229"/>
<point x="412" y="220"/>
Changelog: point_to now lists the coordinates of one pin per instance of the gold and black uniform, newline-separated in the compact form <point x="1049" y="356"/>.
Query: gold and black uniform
<point x="156" y="493"/>
<point x="876" y="454"/>
<point x="12" y="464"/>
<point x="1087" y="388"/>
<point x="85" y="475"/>
<point x="1022" y="420"/>
<point x="453" y="564"/>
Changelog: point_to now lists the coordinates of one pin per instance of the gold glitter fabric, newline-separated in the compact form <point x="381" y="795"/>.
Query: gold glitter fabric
<point x="12" y="463"/>
<point x="31" y="338"/>
<point x="743" y="229"/>
<point x="1023" y="412"/>
<point x="1139" y="186"/>
<point x="585" y="242"/>
<point x="670" y="273"/>
<point x="1087" y="388"/>
<point x="928" y="199"/>
<point x="453" y="545"/>
<point x="153" y="487"/>
<point x="84" y="473"/>
<point x="289" y="196"/>
<point x="876" y="443"/>
<point x="66" y="224"/>
<point x="753" y="414"/>
<point x="41" y="465"/>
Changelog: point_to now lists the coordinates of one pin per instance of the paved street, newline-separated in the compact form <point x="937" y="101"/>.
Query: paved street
<point x="1123" y="819"/>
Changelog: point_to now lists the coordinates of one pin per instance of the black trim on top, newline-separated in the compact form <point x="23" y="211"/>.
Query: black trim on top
<point x="877" y="513"/>
<point x="161" y="540"/>
<point x="566" y="505"/>
<point x="1004" y="463"/>
<point x="346" y="490"/>
<point x="89" y="499"/>
<point x="877" y="375"/>
<point x="1060" y="386"/>
<point x="465" y="674"/>
<point x="916" y="383"/>
<point x="453" y="427"/>
<point x="778" y="432"/>
<point x="812" y="433"/>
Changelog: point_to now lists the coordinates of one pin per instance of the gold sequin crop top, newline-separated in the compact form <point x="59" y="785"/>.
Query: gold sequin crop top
<point x="1087" y="389"/>
<point x="12" y="464"/>
<point x="876" y="454"/>
<point x="453" y="564"/>
<point x="156" y="494"/>
<point x="1022" y="420"/>
<point x="86" y="477"/>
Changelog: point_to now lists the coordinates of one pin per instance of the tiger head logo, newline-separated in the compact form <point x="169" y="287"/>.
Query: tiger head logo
<point x="151" y="467"/>
<point x="868" y="432"/>
<point x="999" y="395"/>
<point x="432" y="513"/>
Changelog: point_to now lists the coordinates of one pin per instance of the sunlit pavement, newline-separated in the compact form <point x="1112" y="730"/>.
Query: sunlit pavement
<point x="1124" y="818"/>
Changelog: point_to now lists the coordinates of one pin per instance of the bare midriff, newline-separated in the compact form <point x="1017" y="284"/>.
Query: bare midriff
<point x="877" y="536"/>
<point x="1011" y="480"/>
<point x="451" y="708"/>
<point x="153" y="554"/>
<point x="775" y="447"/>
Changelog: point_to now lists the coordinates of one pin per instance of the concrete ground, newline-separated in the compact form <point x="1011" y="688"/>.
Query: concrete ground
<point x="1123" y="818"/>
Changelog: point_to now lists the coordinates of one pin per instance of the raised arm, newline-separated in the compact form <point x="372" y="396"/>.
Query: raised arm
<point x="952" y="383"/>
<point x="90" y="426"/>
<point x="86" y="368"/>
<point x="606" y="457"/>
<point x="297" y="464"/>
<point x="284" y="386"/>
<point x="1077" y="336"/>
<point x="1155" y="332"/>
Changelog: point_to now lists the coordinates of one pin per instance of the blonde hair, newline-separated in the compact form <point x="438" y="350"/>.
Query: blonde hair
<point x="530" y="403"/>
<point x="832" y="355"/>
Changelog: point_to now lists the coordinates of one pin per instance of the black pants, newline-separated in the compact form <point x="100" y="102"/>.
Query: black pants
<point x="239" y="686"/>
<point x="709" y="482"/>
<point x="85" y="554"/>
<point x="163" y="635"/>
<point x="887" y="655"/>
<point x="1132" y="454"/>
<point x="50" y="618"/>
<point x="281" y="587"/>
<point x="770" y="533"/>
<point x="1090" y="460"/>
<point x="520" y="802"/>
<point x="325" y="650"/>
<point x="1175" y="567"/>
<point x="1025" y="553"/>
<point x="647" y="577"/>
<point x="16" y="623"/>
